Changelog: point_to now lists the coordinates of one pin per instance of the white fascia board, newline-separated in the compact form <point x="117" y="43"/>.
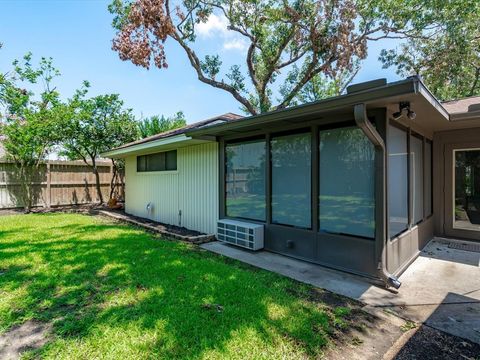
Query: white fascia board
<point x="147" y="147"/>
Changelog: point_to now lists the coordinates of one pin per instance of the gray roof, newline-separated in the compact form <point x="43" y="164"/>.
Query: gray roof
<point x="221" y="119"/>
<point x="461" y="106"/>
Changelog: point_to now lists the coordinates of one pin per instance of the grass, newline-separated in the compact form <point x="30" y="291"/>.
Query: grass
<point x="114" y="291"/>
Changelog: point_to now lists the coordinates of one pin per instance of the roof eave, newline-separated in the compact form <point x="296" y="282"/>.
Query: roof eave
<point x="146" y="147"/>
<point x="403" y="87"/>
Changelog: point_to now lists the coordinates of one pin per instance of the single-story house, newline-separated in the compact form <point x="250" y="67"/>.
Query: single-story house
<point x="358" y="182"/>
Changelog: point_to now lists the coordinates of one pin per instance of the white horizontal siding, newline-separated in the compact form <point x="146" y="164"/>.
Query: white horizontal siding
<point x="193" y="189"/>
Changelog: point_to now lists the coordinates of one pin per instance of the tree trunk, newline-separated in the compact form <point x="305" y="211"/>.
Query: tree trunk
<point x="97" y="182"/>
<point x="114" y="179"/>
<point x="25" y="187"/>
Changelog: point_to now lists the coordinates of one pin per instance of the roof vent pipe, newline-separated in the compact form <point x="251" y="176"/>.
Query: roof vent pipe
<point x="360" y="115"/>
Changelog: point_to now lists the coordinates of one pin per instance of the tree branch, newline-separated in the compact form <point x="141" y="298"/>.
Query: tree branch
<point x="309" y="74"/>
<point x="475" y="82"/>
<point x="195" y="62"/>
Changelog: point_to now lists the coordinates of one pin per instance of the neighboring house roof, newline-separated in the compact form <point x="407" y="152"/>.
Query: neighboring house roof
<point x="463" y="108"/>
<point x="197" y="125"/>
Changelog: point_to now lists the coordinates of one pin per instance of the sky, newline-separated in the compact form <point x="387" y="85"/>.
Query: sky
<point x="77" y="34"/>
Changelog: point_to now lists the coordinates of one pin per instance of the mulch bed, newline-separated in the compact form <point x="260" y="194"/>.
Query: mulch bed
<point x="177" y="232"/>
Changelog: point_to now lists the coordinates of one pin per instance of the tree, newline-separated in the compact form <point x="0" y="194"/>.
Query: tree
<point x="320" y="37"/>
<point x="158" y="124"/>
<point x="446" y="52"/>
<point x="320" y="86"/>
<point x="29" y="122"/>
<point x="96" y="125"/>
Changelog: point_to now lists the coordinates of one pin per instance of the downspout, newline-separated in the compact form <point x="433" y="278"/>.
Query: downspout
<point x="360" y="115"/>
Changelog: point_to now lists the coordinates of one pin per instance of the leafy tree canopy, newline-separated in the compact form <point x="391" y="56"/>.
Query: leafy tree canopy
<point x="30" y="113"/>
<point x="96" y="125"/>
<point x="293" y="45"/>
<point x="158" y="124"/>
<point x="446" y="52"/>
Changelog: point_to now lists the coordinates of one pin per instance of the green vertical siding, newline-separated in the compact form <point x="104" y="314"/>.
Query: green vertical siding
<point x="193" y="189"/>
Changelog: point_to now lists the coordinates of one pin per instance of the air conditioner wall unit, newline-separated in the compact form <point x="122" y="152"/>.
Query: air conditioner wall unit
<point x="240" y="233"/>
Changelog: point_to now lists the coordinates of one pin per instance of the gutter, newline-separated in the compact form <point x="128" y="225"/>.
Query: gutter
<point x="472" y="115"/>
<point x="146" y="146"/>
<point x="402" y="87"/>
<point x="360" y="115"/>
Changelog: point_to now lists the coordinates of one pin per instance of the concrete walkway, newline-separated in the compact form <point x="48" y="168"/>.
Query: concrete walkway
<point x="440" y="289"/>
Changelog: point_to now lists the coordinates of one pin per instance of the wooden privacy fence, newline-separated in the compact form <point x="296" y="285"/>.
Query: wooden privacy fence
<point x="58" y="183"/>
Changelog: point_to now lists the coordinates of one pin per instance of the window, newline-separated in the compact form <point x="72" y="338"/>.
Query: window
<point x="466" y="214"/>
<point x="347" y="183"/>
<point x="292" y="180"/>
<point x="428" y="178"/>
<point x="397" y="180"/>
<point x="163" y="161"/>
<point x="416" y="166"/>
<point x="245" y="179"/>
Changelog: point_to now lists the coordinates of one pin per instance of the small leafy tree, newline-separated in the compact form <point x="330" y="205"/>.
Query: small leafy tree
<point x="158" y="124"/>
<point x="29" y="121"/>
<point x="446" y="50"/>
<point x="96" y="125"/>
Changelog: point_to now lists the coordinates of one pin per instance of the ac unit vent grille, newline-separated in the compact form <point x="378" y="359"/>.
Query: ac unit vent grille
<point x="247" y="235"/>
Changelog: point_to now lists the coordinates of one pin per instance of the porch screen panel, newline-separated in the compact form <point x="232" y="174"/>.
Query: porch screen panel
<point x="397" y="180"/>
<point x="291" y="180"/>
<point x="416" y="163"/>
<point x="245" y="180"/>
<point x="428" y="178"/>
<point x="347" y="183"/>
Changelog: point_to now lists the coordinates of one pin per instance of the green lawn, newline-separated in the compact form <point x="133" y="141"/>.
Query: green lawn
<point x="114" y="291"/>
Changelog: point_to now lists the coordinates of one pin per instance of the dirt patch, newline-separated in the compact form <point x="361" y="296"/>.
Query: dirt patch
<point x="6" y="212"/>
<point x="366" y="336"/>
<point x="384" y="336"/>
<point x="428" y="343"/>
<point x="82" y="209"/>
<point x="30" y="335"/>
<point x="367" y="333"/>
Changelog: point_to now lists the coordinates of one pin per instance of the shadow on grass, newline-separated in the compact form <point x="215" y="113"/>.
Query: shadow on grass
<point x="150" y="297"/>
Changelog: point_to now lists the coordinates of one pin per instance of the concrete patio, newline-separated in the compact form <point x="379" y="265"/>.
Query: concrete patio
<point x="441" y="288"/>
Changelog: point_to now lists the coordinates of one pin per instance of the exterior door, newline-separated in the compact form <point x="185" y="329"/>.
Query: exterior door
<point x="462" y="191"/>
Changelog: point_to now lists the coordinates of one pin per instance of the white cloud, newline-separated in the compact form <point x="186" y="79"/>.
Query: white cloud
<point x="214" y="25"/>
<point x="217" y="25"/>
<point x="235" y="44"/>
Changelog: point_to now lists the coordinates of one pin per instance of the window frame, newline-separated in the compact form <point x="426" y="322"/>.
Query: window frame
<point x="244" y="140"/>
<point x="406" y="130"/>
<point x="420" y="137"/>
<point x="165" y="170"/>
<point x="432" y="180"/>
<point x="272" y="136"/>
<point x="425" y="139"/>
<point x="343" y="125"/>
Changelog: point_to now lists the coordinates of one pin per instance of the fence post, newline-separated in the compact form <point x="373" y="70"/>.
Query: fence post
<point x="49" y="185"/>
